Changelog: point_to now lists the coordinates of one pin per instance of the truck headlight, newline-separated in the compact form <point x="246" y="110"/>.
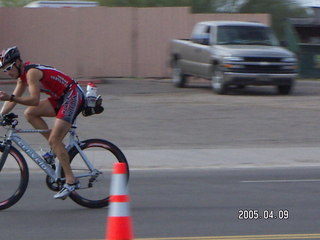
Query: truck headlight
<point x="289" y="59"/>
<point x="233" y="59"/>
<point x="232" y="62"/>
<point x="290" y="67"/>
<point x="235" y="66"/>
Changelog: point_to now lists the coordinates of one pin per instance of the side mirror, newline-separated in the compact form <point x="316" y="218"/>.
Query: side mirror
<point x="201" y="39"/>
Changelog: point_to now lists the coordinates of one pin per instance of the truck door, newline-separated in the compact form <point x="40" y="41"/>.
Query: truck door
<point x="200" y="54"/>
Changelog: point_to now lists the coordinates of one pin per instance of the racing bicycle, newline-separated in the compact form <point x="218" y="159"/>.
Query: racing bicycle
<point x="91" y="161"/>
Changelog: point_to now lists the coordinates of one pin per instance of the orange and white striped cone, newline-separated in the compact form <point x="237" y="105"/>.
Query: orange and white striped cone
<point x="119" y="223"/>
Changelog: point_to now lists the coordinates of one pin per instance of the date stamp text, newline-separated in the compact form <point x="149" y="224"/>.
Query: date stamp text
<point x="254" y="214"/>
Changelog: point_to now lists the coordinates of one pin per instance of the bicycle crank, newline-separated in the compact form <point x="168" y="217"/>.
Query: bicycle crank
<point x="54" y="185"/>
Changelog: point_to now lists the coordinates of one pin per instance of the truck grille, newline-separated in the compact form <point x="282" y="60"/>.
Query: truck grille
<point x="267" y="65"/>
<point x="265" y="69"/>
<point x="262" y="59"/>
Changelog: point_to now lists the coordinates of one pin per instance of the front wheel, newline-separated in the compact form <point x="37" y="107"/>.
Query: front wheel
<point x="14" y="177"/>
<point x="95" y="189"/>
<point x="218" y="81"/>
<point x="285" y="89"/>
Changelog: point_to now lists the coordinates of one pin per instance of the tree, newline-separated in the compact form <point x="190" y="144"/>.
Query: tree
<point x="228" y="5"/>
<point x="13" y="3"/>
<point x="145" y="3"/>
<point x="279" y="10"/>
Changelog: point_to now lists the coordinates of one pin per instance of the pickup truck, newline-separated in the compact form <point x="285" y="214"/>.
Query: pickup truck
<point x="232" y="53"/>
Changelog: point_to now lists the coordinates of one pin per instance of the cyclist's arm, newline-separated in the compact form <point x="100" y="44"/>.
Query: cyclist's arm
<point x="18" y="91"/>
<point x="33" y="99"/>
<point x="33" y="78"/>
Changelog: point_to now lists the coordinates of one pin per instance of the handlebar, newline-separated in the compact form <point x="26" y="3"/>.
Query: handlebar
<point x="9" y="119"/>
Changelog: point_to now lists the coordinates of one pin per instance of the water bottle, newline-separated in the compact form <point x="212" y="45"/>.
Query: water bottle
<point x="91" y="94"/>
<point x="48" y="156"/>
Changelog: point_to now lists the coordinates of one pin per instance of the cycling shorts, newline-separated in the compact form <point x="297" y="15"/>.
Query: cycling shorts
<point x="70" y="104"/>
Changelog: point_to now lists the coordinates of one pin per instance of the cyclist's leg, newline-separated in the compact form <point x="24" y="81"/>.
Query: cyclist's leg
<point x="69" y="109"/>
<point x="34" y="115"/>
<point x="59" y="130"/>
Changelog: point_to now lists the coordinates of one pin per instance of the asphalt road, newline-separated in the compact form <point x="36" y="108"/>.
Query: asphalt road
<point x="195" y="157"/>
<point x="181" y="203"/>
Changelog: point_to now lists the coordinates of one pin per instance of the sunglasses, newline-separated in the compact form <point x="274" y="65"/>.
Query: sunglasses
<point x="9" y="67"/>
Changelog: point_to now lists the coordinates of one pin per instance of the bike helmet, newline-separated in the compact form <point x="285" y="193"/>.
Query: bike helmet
<point x="9" y="55"/>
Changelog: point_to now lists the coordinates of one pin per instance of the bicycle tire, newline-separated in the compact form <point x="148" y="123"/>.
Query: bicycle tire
<point x="103" y="151"/>
<point x="15" y="173"/>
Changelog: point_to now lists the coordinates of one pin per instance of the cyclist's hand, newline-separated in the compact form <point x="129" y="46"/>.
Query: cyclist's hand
<point x="8" y="119"/>
<point x="4" y="96"/>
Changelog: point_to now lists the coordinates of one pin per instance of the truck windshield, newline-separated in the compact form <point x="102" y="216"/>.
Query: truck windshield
<point x="246" y="35"/>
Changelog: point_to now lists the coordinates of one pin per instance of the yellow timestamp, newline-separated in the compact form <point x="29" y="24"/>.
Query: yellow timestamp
<point x="254" y="214"/>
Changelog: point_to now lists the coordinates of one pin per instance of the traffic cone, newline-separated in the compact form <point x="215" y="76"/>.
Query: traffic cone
<point x="119" y="222"/>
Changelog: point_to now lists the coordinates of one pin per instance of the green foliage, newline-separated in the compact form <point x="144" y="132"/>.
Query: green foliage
<point x="145" y="3"/>
<point x="198" y="6"/>
<point x="14" y="3"/>
<point x="279" y="11"/>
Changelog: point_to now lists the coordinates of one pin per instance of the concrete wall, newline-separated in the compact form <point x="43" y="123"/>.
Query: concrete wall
<point x="102" y="41"/>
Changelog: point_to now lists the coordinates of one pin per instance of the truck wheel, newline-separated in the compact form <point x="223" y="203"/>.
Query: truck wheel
<point x="285" y="89"/>
<point x="178" y="78"/>
<point x="217" y="81"/>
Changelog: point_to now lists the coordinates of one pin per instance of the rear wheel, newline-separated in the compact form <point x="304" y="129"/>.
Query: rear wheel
<point x="14" y="177"/>
<point x="95" y="189"/>
<point x="178" y="78"/>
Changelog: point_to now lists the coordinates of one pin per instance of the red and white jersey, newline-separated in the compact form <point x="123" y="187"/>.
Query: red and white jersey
<point x="53" y="82"/>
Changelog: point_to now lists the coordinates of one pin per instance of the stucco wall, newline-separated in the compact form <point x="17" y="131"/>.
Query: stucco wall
<point x="102" y="41"/>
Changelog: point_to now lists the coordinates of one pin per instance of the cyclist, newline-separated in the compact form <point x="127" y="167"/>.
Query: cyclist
<point x="65" y="102"/>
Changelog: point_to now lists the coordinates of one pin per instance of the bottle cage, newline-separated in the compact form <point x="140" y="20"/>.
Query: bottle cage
<point x="97" y="109"/>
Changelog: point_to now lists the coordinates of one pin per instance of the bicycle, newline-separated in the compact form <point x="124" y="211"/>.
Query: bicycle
<point x="87" y="158"/>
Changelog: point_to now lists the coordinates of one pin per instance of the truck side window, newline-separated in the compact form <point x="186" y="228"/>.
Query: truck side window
<point x="201" y="35"/>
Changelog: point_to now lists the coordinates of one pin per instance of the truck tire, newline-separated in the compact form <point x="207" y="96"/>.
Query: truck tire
<point x="285" y="89"/>
<point x="218" y="81"/>
<point x="178" y="78"/>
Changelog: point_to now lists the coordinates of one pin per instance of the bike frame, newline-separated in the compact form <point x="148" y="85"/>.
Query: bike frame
<point x="13" y="135"/>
